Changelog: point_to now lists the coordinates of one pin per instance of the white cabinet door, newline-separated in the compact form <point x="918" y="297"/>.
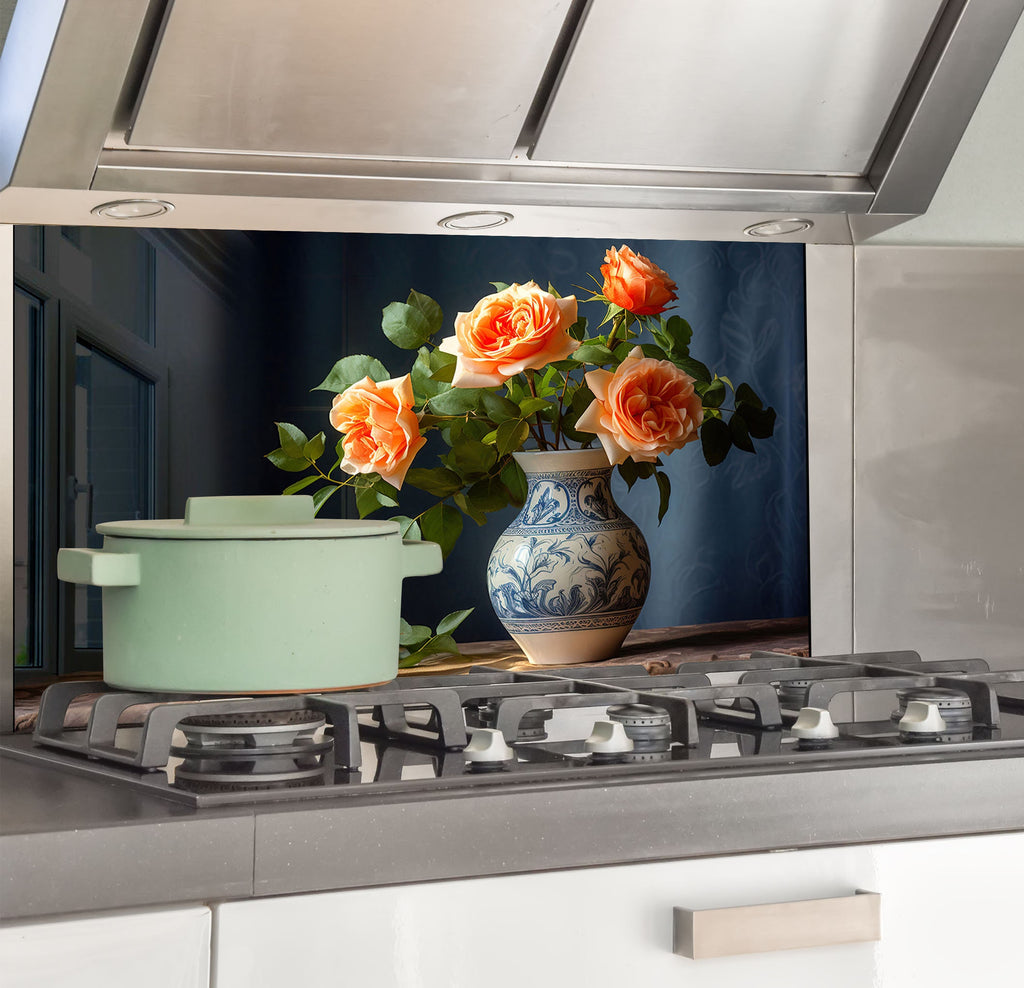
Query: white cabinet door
<point x="594" y="927"/>
<point x="160" y="948"/>
<point x="952" y="911"/>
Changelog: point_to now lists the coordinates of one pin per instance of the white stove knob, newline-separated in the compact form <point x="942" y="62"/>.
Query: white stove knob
<point x="607" y="738"/>
<point x="814" y="724"/>
<point x="488" y="745"/>
<point x="922" y="717"/>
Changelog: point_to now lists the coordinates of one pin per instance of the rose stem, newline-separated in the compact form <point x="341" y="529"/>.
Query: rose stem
<point x="541" y="438"/>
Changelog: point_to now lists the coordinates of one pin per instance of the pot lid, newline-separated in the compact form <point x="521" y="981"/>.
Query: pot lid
<point x="249" y="517"/>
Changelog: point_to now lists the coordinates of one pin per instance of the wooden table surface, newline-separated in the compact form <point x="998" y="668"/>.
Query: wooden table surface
<point x="660" y="650"/>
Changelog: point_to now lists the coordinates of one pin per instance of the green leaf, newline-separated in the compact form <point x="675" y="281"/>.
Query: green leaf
<point x="664" y="492"/>
<point x="432" y="372"/>
<point x="511" y="436"/>
<point x="320" y="497"/>
<point x="350" y="370"/>
<point x="457" y="401"/>
<point x="713" y="394"/>
<point x="628" y="472"/>
<point x="760" y="421"/>
<point x="437" y="645"/>
<point x="301" y="484"/>
<point x="696" y="370"/>
<point x="514" y="479"/>
<point x="366" y="501"/>
<point x="715" y="440"/>
<point x="405" y="325"/>
<point x="464" y="505"/>
<point x="411" y="635"/>
<point x="595" y="353"/>
<point x="528" y="406"/>
<point x="740" y="433"/>
<point x="408" y="528"/>
<point x="745" y="393"/>
<point x="290" y="463"/>
<point x="450" y="622"/>
<point x="499" y="286"/>
<point x="579" y="328"/>
<point x="497" y="407"/>
<point x="470" y="458"/>
<point x="314" y="449"/>
<point x="655" y="352"/>
<point x="430" y="310"/>
<point x="292" y="439"/>
<point x="439" y="481"/>
<point x="488" y="495"/>
<point x="442" y="524"/>
<point x="680" y="332"/>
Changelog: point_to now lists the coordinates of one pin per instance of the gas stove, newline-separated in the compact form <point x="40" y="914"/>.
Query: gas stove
<point x="767" y="714"/>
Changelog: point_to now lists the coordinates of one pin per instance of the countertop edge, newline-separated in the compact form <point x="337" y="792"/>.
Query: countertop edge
<point x="338" y="844"/>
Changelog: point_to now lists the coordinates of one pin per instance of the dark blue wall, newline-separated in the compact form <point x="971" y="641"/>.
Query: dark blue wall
<point x="734" y="544"/>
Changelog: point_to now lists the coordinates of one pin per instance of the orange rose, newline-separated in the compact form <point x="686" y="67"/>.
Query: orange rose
<point x="647" y="407"/>
<point x="506" y="333"/>
<point x="382" y="432"/>
<point x="635" y="283"/>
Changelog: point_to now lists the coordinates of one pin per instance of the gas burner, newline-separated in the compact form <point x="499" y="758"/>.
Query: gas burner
<point x="793" y="693"/>
<point x="212" y="775"/>
<point x="648" y="727"/>
<point x="532" y="726"/>
<point x="270" y="730"/>
<point x="951" y="705"/>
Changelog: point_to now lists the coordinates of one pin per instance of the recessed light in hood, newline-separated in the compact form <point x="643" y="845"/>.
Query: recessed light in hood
<point x="132" y="209"/>
<point x="778" y="228"/>
<point x="477" y="219"/>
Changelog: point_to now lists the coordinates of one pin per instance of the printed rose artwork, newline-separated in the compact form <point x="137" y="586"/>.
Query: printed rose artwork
<point x="645" y="408"/>
<point x="381" y="430"/>
<point x="517" y="329"/>
<point x="636" y="284"/>
<point x="522" y="369"/>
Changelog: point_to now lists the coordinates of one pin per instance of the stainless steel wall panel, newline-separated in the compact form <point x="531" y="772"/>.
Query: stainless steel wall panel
<point x="939" y="451"/>
<point x="830" y="446"/>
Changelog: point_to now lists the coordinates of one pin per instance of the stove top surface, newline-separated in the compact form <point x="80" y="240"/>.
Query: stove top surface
<point x="486" y="728"/>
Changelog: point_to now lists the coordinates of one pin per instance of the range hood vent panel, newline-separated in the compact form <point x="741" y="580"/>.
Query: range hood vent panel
<point x="782" y="86"/>
<point x="400" y="78"/>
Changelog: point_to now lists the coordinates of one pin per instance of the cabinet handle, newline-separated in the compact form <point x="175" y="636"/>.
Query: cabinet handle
<point x="777" y="926"/>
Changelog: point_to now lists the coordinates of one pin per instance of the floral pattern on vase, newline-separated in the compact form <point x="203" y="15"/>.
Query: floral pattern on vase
<point x="569" y="576"/>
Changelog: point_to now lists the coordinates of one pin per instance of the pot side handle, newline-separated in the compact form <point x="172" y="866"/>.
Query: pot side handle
<point x="420" y="558"/>
<point x="97" y="568"/>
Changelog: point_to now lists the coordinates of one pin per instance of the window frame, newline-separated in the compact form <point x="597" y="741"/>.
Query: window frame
<point x="67" y="320"/>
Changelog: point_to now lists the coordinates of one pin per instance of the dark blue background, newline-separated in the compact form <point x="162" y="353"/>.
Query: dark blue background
<point x="734" y="543"/>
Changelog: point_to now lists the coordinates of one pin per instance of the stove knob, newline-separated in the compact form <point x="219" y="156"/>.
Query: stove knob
<point x="608" y="738"/>
<point x="814" y="724"/>
<point x="922" y="717"/>
<point x="488" y="745"/>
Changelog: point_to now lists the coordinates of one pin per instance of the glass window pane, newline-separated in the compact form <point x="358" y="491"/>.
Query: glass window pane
<point x="27" y="489"/>
<point x="28" y="245"/>
<point x="115" y="274"/>
<point x="113" y="464"/>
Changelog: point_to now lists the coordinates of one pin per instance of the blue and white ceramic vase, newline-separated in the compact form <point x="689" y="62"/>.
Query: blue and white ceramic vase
<point x="568" y="577"/>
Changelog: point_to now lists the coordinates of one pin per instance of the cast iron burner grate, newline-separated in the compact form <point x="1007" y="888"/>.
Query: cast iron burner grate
<point x="416" y="728"/>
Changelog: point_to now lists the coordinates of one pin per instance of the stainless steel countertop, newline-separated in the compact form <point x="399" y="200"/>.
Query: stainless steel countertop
<point x="69" y="843"/>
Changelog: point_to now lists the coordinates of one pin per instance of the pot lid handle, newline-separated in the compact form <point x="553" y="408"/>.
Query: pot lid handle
<point x="258" y="509"/>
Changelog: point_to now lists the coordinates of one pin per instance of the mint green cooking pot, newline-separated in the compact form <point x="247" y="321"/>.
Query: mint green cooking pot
<point x="249" y="594"/>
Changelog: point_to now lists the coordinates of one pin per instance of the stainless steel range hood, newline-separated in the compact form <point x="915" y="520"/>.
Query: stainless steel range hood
<point x="658" y="118"/>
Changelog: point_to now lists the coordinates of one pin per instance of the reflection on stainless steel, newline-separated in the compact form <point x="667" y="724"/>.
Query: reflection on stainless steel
<point x="578" y="727"/>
